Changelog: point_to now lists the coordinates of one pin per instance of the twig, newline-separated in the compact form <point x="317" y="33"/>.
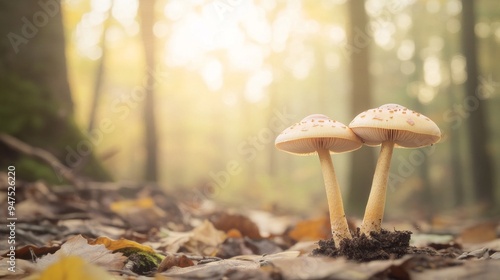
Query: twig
<point x="43" y="155"/>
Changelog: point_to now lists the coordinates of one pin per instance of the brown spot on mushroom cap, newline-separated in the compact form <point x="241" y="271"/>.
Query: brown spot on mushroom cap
<point x="406" y="131"/>
<point x="335" y="137"/>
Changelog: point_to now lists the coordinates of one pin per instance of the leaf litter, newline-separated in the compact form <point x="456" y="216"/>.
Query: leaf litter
<point x="127" y="231"/>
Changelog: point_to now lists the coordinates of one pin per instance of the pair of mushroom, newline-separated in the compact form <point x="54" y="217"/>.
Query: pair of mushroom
<point x="389" y="125"/>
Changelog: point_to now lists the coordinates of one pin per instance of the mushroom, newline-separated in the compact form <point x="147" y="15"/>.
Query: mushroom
<point x="319" y="134"/>
<point x="390" y="125"/>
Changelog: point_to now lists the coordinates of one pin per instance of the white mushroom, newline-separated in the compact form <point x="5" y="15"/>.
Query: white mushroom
<point x="319" y="134"/>
<point x="390" y="125"/>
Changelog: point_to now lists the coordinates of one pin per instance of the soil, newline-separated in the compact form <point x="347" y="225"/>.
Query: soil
<point x="380" y="246"/>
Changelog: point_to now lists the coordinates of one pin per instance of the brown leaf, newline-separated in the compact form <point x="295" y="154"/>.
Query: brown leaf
<point x="171" y="261"/>
<point x="479" y="233"/>
<point x="227" y="222"/>
<point x="314" y="229"/>
<point x="25" y="251"/>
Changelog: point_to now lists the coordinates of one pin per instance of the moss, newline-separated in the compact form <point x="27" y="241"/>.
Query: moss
<point x="27" y="115"/>
<point x="23" y="106"/>
<point x="141" y="262"/>
<point x="31" y="170"/>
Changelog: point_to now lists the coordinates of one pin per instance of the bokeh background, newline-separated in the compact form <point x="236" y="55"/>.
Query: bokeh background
<point x="190" y="95"/>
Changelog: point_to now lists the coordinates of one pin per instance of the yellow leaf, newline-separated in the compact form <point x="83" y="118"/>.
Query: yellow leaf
<point x="140" y="213"/>
<point x="74" y="268"/>
<point x="126" y="205"/>
<point x="114" y="245"/>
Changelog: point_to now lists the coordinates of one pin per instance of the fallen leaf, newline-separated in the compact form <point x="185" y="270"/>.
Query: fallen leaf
<point x="25" y="252"/>
<point x="78" y="246"/>
<point x="314" y="229"/>
<point x="172" y="241"/>
<point x="142" y="259"/>
<point x="171" y="261"/>
<point x="234" y="233"/>
<point x="227" y="222"/>
<point x="114" y="245"/>
<point x="22" y="267"/>
<point x="212" y="270"/>
<point x="141" y="214"/>
<point x="479" y="233"/>
<point x="74" y="268"/>
<point x="262" y="246"/>
<point x="489" y="269"/>
<point x="205" y="239"/>
<point x="482" y="254"/>
<point x="232" y="247"/>
<point x="306" y="267"/>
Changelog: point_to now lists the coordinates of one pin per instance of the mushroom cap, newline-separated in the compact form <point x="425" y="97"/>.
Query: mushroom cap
<point x="317" y="132"/>
<point x="393" y="122"/>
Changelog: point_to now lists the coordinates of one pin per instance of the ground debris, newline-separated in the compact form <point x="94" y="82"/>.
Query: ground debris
<point x="176" y="242"/>
<point x="379" y="246"/>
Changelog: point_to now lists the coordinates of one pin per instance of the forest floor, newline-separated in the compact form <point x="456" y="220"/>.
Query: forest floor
<point x="134" y="231"/>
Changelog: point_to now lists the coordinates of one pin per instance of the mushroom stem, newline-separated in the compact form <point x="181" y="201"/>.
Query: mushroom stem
<point x="338" y="221"/>
<point x="374" y="211"/>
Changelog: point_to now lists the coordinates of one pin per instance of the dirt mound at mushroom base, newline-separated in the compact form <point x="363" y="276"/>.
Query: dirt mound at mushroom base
<point x="381" y="246"/>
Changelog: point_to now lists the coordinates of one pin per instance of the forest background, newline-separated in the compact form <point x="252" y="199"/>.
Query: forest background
<point x="190" y="95"/>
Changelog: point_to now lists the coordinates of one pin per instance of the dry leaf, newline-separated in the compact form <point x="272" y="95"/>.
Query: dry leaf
<point x="141" y="213"/>
<point x="469" y="270"/>
<point x="205" y="239"/>
<point x="74" y="268"/>
<point x="78" y="246"/>
<point x="114" y="245"/>
<point x="306" y="267"/>
<point x="479" y="233"/>
<point x="314" y="229"/>
<point x="243" y="224"/>
<point x="212" y="270"/>
<point x="171" y="261"/>
<point x="174" y="240"/>
<point x="202" y="240"/>
<point x="23" y="267"/>
<point x="125" y="205"/>
<point x="24" y="252"/>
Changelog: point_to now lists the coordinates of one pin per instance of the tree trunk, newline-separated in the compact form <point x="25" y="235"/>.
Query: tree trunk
<point x="146" y="9"/>
<point x="100" y="73"/>
<point x="477" y="121"/>
<point x="35" y="98"/>
<point x="363" y="161"/>
<point x="425" y="196"/>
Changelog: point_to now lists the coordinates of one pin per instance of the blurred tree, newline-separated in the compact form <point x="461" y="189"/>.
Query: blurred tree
<point x="425" y="195"/>
<point x="99" y="74"/>
<point x="363" y="161"/>
<point x="35" y="98"/>
<point x="452" y="91"/>
<point x="147" y="10"/>
<point x="475" y="109"/>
